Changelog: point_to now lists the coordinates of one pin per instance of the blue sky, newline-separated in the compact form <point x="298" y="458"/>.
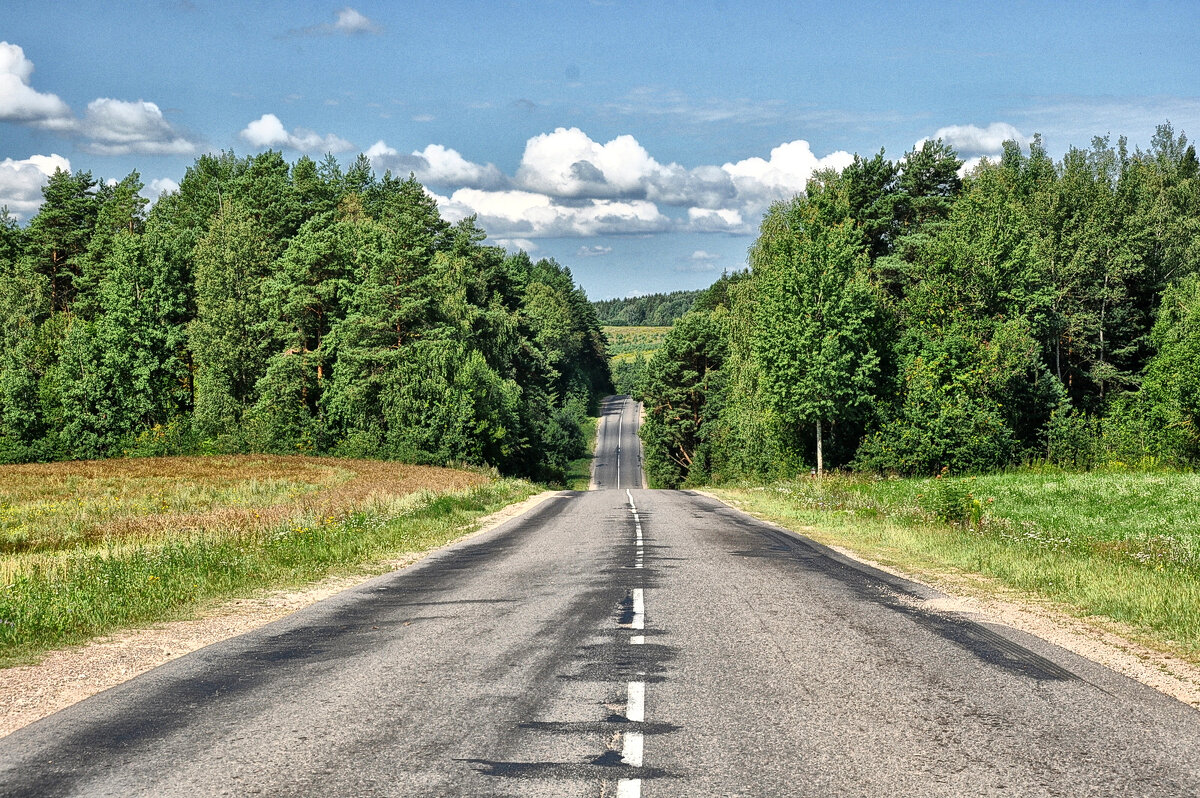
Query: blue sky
<point x="636" y="142"/>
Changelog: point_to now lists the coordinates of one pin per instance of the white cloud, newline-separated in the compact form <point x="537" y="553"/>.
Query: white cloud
<point x="20" y="102"/>
<point x="515" y="244"/>
<point x="721" y="220"/>
<point x="785" y="174"/>
<point x="350" y="21"/>
<point x="158" y="187"/>
<point x="971" y="141"/>
<point x="347" y="21"/>
<point x="531" y="215"/>
<point x="568" y="184"/>
<point x="118" y="127"/>
<point x="437" y="165"/>
<point x="268" y="131"/>
<point x="21" y="182"/>
<point x="597" y="251"/>
<point x="699" y="261"/>
<point x="568" y="163"/>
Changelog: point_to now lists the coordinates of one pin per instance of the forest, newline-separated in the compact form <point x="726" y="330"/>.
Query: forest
<point x="903" y="318"/>
<point x="651" y="310"/>
<point x="286" y="308"/>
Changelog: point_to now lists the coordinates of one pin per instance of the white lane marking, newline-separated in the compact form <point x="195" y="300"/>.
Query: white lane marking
<point x="620" y="421"/>
<point x="635" y="709"/>
<point x="631" y="751"/>
<point x="640" y="556"/>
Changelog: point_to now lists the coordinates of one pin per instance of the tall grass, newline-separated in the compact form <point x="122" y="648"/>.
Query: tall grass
<point x="295" y="526"/>
<point x="1118" y="544"/>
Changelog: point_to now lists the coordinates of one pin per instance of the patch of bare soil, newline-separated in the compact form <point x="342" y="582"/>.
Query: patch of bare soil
<point x="32" y="692"/>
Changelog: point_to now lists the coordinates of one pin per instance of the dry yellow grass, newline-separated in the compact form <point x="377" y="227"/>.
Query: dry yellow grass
<point x="57" y="506"/>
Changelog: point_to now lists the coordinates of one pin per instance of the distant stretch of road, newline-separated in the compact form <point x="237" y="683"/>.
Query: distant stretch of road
<point x="618" y="460"/>
<point x="620" y="642"/>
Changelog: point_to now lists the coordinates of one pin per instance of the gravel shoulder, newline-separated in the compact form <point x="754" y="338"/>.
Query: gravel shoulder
<point x="31" y="692"/>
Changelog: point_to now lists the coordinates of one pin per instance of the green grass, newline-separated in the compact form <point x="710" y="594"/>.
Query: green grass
<point x="626" y="343"/>
<point x="1120" y="545"/>
<point x="579" y="472"/>
<point x="81" y="586"/>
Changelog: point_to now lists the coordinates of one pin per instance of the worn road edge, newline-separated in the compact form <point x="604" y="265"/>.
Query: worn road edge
<point x="1098" y="640"/>
<point x="66" y="676"/>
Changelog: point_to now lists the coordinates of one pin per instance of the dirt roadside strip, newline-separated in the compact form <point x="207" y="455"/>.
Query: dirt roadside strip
<point x="31" y="692"/>
<point x="1099" y="640"/>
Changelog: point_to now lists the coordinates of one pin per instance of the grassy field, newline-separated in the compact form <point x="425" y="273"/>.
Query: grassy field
<point x="88" y="547"/>
<point x="1119" y="545"/>
<point x="626" y="343"/>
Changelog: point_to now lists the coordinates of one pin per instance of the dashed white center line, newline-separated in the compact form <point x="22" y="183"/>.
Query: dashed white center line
<point x="635" y="709"/>
<point x="629" y="788"/>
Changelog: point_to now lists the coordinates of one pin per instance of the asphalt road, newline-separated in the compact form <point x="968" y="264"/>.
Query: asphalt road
<point x="618" y="460"/>
<point x="620" y="642"/>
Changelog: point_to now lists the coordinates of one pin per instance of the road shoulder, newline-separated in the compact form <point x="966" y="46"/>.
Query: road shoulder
<point x="64" y="677"/>
<point x="981" y="599"/>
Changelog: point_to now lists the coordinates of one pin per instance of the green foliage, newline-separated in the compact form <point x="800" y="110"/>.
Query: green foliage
<point x="813" y="326"/>
<point x="682" y="395"/>
<point x="915" y="320"/>
<point x="274" y="308"/>
<point x="652" y="310"/>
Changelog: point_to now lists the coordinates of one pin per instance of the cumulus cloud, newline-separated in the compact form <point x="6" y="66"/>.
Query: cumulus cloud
<point x="437" y="165"/>
<point x="118" y="127"/>
<point x="268" y="131"/>
<point x="109" y="127"/>
<point x="720" y="220"/>
<point x="19" y="101"/>
<point x="21" y="182"/>
<point x="346" y="22"/>
<point x="531" y="215"/>
<point x="568" y="184"/>
<point x="759" y="182"/>
<point x="972" y="141"/>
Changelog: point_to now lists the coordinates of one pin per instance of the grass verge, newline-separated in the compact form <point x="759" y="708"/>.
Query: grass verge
<point x="349" y="517"/>
<point x="579" y="472"/>
<point x="1121" y="546"/>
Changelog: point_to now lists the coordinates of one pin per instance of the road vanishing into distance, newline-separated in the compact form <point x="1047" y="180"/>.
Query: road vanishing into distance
<point x="620" y="642"/>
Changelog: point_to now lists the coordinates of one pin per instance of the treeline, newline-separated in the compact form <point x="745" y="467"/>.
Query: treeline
<point x="652" y="310"/>
<point x="900" y="319"/>
<point x="268" y="307"/>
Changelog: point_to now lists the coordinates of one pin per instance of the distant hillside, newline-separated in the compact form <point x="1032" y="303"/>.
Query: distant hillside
<point x="653" y="310"/>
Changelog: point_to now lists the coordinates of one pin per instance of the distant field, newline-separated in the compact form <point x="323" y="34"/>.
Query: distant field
<point x="1119" y="544"/>
<point x="626" y="343"/>
<point x="89" y="546"/>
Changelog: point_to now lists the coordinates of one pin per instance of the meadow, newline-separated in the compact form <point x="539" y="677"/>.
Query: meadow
<point x="88" y="547"/>
<point x="627" y="343"/>
<point x="1118" y="545"/>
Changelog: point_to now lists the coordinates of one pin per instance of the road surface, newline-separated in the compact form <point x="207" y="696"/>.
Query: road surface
<point x="620" y="642"/>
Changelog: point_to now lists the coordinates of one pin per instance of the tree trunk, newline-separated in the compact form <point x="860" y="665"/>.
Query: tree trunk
<point x="820" y="452"/>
